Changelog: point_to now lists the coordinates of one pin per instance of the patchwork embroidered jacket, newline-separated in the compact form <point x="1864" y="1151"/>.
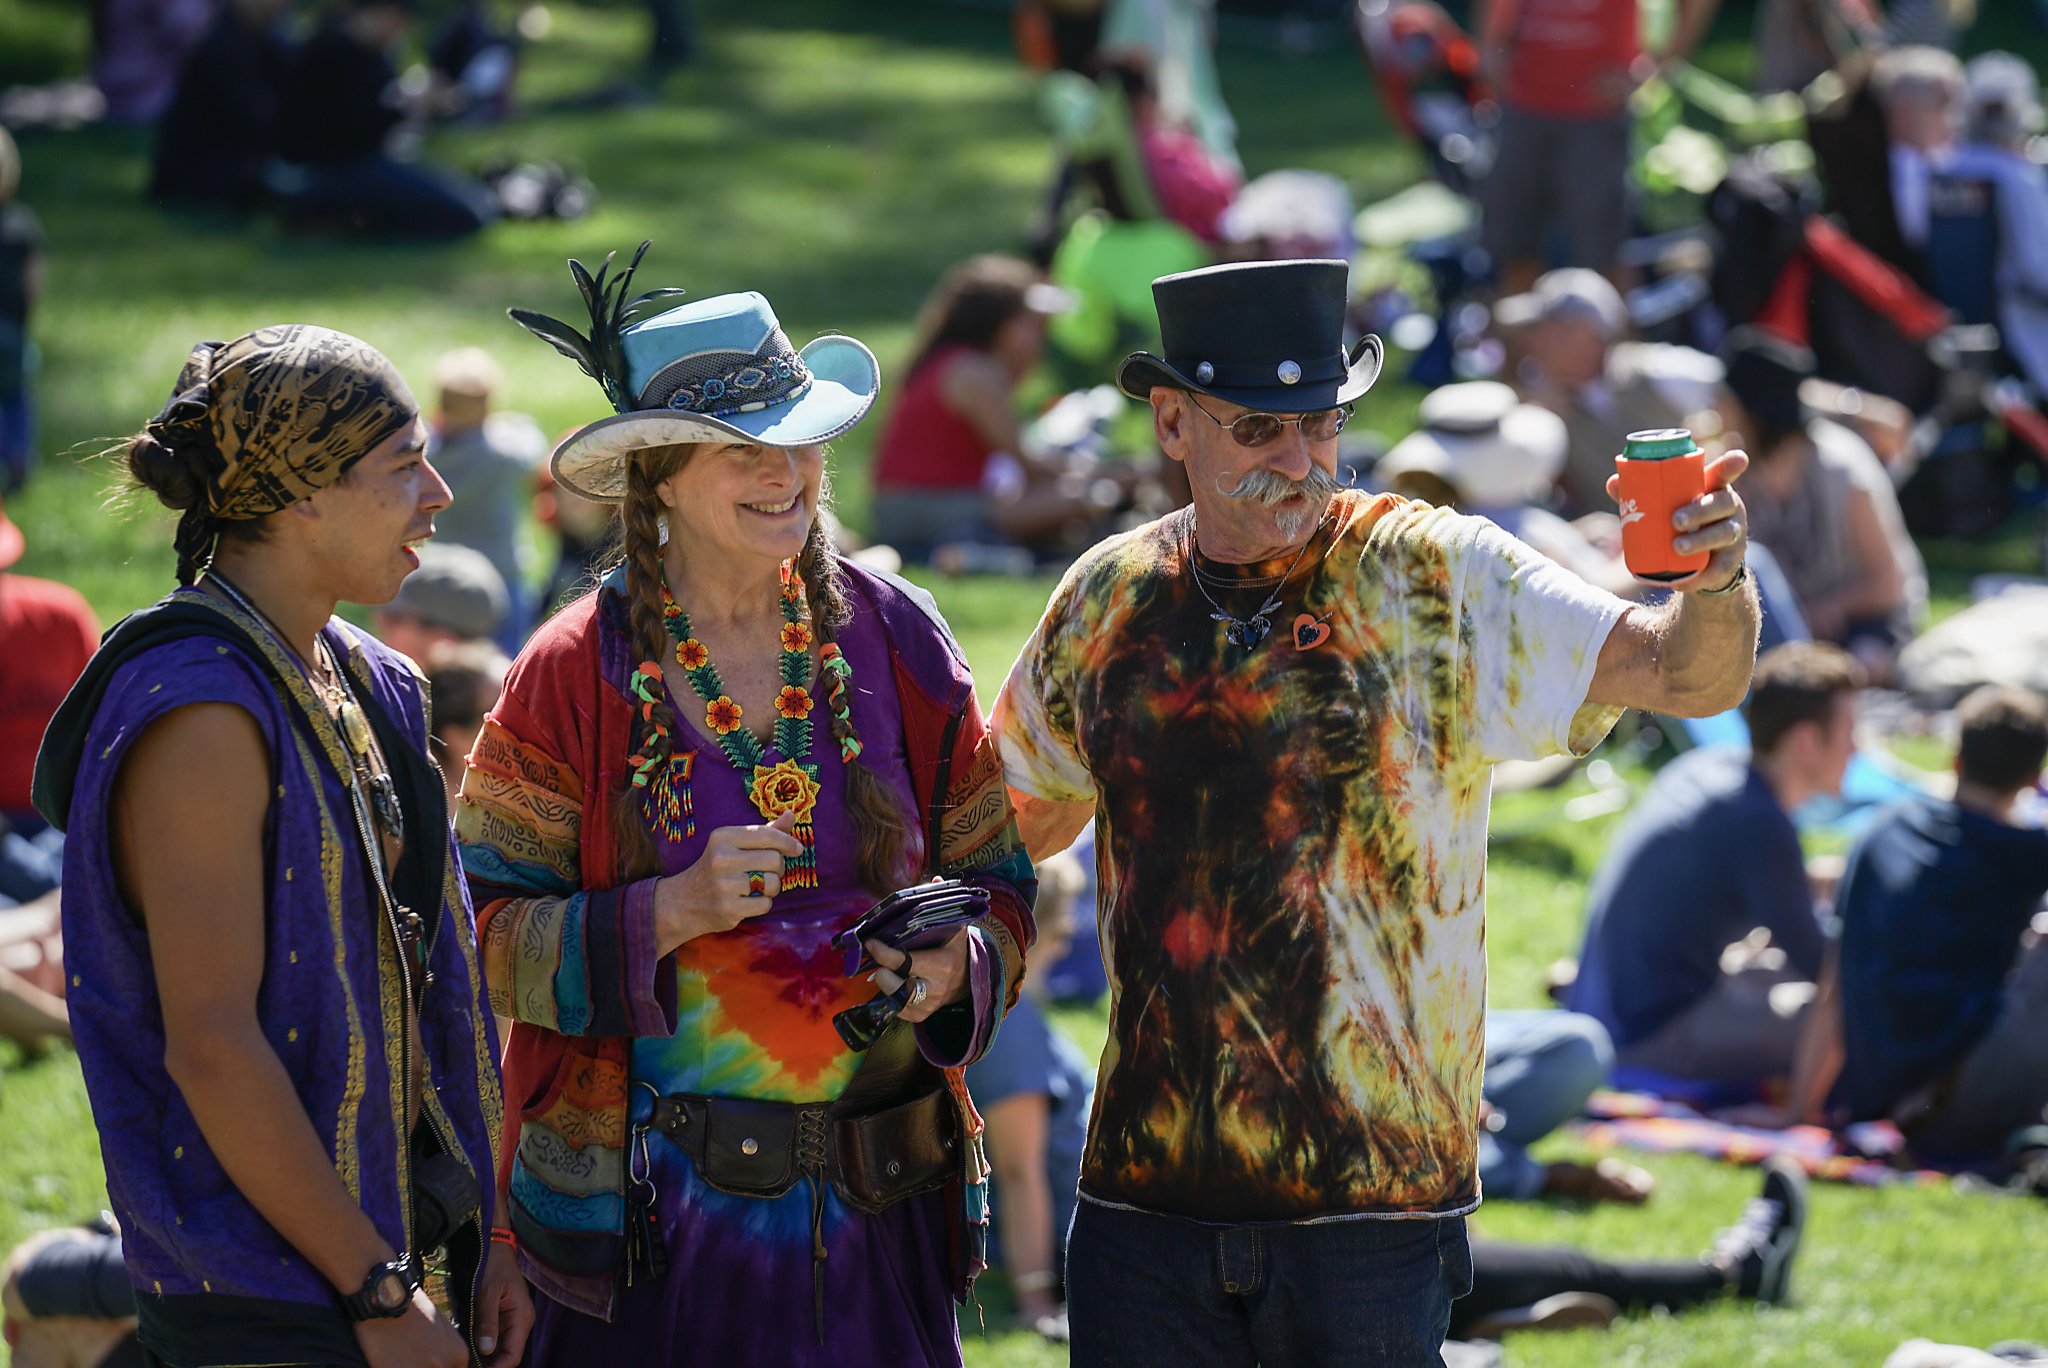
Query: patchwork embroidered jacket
<point x="568" y="940"/>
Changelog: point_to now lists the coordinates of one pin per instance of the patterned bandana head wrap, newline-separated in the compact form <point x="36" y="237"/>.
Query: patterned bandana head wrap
<point x="271" y="417"/>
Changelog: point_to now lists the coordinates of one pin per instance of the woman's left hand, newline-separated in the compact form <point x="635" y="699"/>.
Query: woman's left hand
<point x="943" y="970"/>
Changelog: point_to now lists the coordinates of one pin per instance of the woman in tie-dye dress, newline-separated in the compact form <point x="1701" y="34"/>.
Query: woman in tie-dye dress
<point x="658" y="876"/>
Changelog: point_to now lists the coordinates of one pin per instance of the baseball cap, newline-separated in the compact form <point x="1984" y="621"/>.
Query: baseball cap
<point x="1569" y="292"/>
<point x="456" y="588"/>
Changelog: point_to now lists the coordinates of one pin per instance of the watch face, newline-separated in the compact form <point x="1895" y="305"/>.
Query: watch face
<point x="390" y="1292"/>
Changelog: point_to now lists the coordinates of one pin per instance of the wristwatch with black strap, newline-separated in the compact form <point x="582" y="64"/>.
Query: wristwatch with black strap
<point x="387" y="1292"/>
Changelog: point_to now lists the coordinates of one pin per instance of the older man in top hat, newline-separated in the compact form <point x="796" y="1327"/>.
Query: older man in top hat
<point x="1281" y="707"/>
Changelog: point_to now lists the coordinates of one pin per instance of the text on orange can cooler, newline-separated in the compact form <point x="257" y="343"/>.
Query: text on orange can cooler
<point x="1661" y="470"/>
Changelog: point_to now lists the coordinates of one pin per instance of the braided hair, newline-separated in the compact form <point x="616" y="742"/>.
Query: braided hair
<point x="177" y="477"/>
<point x="881" y="830"/>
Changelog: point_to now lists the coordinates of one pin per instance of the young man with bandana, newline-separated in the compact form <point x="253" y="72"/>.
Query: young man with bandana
<point x="274" y="980"/>
<point x="1281" y="707"/>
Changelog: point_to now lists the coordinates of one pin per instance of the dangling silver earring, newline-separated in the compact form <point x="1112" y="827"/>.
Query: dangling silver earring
<point x="662" y="523"/>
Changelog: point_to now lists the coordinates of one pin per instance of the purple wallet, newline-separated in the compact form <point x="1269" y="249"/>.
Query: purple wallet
<point x="914" y="918"/>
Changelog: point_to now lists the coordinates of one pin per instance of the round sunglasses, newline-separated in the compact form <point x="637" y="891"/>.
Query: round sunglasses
<point x="1257" y="429"/>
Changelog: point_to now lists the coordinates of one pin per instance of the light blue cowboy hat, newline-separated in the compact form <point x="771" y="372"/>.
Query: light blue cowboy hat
<point x="718" y="370"/>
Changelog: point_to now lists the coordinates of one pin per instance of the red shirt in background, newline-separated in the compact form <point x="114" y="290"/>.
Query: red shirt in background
<point x="1558" y="50"/>
<point x="926" y="445"/>
<point x="1193" y="186"/>
<point x="47" y="633"/>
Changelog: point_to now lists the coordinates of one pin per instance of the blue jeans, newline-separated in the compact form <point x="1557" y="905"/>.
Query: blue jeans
<point x="1145" y="1289"/>
<point x="1540" y="1067"/>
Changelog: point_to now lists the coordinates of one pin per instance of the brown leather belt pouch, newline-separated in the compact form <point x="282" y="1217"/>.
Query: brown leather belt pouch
<point x="762" y="1149"/>
<point x="886" y="1156"/>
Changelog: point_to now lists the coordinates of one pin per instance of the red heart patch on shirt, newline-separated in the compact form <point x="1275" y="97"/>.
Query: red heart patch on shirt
<point x="1309" y="632"/>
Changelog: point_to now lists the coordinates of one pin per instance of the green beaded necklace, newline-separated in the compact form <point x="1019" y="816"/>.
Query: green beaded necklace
<point x="790" y="784"/>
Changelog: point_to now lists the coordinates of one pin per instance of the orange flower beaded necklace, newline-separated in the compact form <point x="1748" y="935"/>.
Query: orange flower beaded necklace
<point x="791" y="783"/>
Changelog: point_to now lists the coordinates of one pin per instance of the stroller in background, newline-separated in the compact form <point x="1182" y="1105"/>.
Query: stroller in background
<point x="1426" y="70"/>
<point x="1784" y="266"/>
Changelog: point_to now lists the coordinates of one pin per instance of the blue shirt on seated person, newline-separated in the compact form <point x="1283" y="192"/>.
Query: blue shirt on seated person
<point x="1709" y="856"/>
<point x="1932" y="907"/>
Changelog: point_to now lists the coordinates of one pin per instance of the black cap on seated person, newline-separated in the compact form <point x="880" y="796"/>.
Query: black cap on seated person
<point x="1764" y="374"/>
<point x="1268" y="335"/>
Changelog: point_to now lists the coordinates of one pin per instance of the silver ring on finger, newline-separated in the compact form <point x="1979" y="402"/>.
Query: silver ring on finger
<point x="919" y="991"/>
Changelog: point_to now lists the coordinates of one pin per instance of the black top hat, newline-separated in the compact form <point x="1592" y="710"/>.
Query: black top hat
<point x="1265" y="334"/>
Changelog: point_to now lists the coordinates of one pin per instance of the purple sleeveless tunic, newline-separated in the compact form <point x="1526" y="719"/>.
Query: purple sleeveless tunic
<point x="329" y="1003"/>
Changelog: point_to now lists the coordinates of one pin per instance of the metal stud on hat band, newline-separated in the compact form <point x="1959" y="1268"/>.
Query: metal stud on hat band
<point x="1289" y="372"/>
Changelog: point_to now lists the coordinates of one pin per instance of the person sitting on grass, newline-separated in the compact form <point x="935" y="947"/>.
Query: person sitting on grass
<point x="1937" y="1013"/>
<point x="68" y="1301"/>
<point x="952" y="464"/>
<point x="1541" y="1066"/>
<point x="1480" y="450"/>
<point x="454" y="597"/>
<point x="338" y="111"/>
<point x="216" y="141"/>
<point x="465" y="679"/>
<point x="1034" y="1089"/>
<point x="1823" y="504"/>
<point x="1709" y="856"/>
<point x="1543" y="1287"/>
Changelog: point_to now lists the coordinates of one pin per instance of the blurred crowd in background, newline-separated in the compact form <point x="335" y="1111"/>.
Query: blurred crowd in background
<point x="1842" y="270"/>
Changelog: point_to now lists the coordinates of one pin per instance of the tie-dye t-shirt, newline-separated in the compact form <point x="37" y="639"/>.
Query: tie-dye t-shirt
<point x="1291" y="845"/>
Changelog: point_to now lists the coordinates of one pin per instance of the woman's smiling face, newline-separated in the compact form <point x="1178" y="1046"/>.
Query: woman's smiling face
<point x="739" y="504"/>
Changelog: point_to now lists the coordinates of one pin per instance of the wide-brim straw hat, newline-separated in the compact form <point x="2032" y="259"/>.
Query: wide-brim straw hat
<point x="1496" y="451"/>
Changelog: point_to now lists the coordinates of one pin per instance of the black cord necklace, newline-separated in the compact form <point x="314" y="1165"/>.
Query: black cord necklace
<point x="1247" y="632"/>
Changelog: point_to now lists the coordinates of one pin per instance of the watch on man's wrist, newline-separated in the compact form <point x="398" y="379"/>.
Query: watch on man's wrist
<point x="387" y="1291"/>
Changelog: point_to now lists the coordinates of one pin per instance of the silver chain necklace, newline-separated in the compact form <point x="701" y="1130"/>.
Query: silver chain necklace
<point x="1246" y="633"/>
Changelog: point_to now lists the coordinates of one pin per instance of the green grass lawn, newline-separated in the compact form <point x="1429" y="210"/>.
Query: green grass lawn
<point x="838" y="157"/>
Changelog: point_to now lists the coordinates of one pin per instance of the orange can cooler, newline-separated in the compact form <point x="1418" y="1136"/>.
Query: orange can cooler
<point x="1662" y="471"/>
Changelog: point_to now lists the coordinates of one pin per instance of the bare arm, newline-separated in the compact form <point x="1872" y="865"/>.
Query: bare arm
<point x="194" y="872"/>
<point x="1016" y="1143"/>
<point x="1818" y="1061"/>
<point x="1690" y="656"/>
<point x="978" y="391"/>
<point x="1694" y="18"/>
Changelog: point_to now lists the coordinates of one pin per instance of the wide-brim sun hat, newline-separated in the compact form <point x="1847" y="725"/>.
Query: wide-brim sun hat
<point x="718" y="370"/>
<point x="1496" y="451"/>
<point x="1266" y="335"/>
